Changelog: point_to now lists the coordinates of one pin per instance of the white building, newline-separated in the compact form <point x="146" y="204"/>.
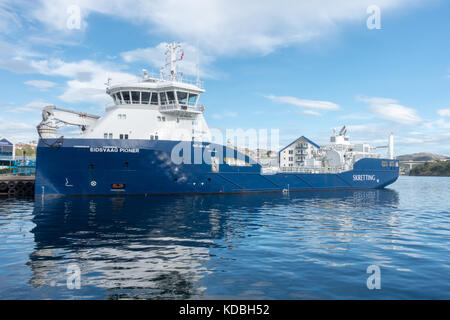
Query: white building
<point x="298" y="153"/>
<point x="7" y="152"/>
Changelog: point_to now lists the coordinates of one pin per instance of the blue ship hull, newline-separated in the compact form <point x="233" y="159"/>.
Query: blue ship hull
<point x="145" y="167"/>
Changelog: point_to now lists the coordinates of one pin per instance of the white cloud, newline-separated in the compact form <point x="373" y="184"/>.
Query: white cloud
<point x="41" y="84"/>
<point x="223" y="26"/>
<point x="33" y="106"/>
<point x="366" y="128"/>
<point x="444" y="112"/>
<point x="9" y="20"/>
<point x="389" y="109"/>
<point x="87" y="78"/>
<point x="17" y="130"/>
<point x="312" y="113"/>
<point x="312" y="104"/>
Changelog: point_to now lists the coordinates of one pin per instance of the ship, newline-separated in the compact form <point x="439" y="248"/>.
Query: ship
<point x="154" y="140"/>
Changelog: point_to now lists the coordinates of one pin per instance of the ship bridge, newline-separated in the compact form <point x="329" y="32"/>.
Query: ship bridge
<point x="169" y="93"/>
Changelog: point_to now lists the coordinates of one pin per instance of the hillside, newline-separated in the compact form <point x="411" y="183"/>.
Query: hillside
<point x="422" y="156"/>
<point x="438" y="168"/>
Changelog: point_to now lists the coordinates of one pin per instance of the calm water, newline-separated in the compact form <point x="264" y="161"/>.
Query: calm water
<point x="297" y="246"/>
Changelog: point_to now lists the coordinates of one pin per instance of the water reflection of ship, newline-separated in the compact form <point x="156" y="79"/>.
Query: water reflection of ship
<point x="158" y="247"/>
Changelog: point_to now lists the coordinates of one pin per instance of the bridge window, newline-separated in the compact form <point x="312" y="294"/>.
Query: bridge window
<point x="162" y="97"/>
<point x="118" y="98"/>
<point x="182" y="97"/>
<point x="135" y="97"/>
<point x="145" y="97"/>
<point x="154" y="99"/>
<point x="126" y="96"/>
<point x="192" y="99"/>
<point x="171" y="96"/>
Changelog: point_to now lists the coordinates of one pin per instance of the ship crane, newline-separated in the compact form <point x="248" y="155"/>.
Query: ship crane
<point x="54" y="117"/>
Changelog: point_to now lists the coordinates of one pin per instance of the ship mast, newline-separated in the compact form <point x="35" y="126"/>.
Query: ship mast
<point x="173" y="49"/>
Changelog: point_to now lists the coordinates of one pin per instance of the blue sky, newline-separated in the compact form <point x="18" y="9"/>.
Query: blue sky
<point x="301" y="67"/>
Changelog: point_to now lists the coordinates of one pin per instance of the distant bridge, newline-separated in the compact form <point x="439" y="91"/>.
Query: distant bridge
<point x="411" y="163"/>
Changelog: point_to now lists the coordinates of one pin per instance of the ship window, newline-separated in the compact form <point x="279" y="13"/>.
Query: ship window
<point x="182" y="97"/>
<point x="126" y="96"/>
<point x="118" y="98"/>
<point x="192" y="99"/>
<point x="384" y="164"/>
<point x="159" y="118"/>
<point x="171" y="96"/>
<point x="126" y="136"/>
<point x="152" y="137"/>
<point x="156" y="137"/>
<point x="105" y="136"/>
<point x="110" y="135"/>
<point x="121" y="136"/>
<point x="154" y="99"/>
<point x="135" y="97"/>
<point x="162" y="97"/>
<point x="145" y="97"/>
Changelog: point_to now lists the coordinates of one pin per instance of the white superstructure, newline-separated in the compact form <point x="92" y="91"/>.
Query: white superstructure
<point x="163" y="108"/>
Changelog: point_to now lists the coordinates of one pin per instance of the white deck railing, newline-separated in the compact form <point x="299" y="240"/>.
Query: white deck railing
<point x="180" y="107"/>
